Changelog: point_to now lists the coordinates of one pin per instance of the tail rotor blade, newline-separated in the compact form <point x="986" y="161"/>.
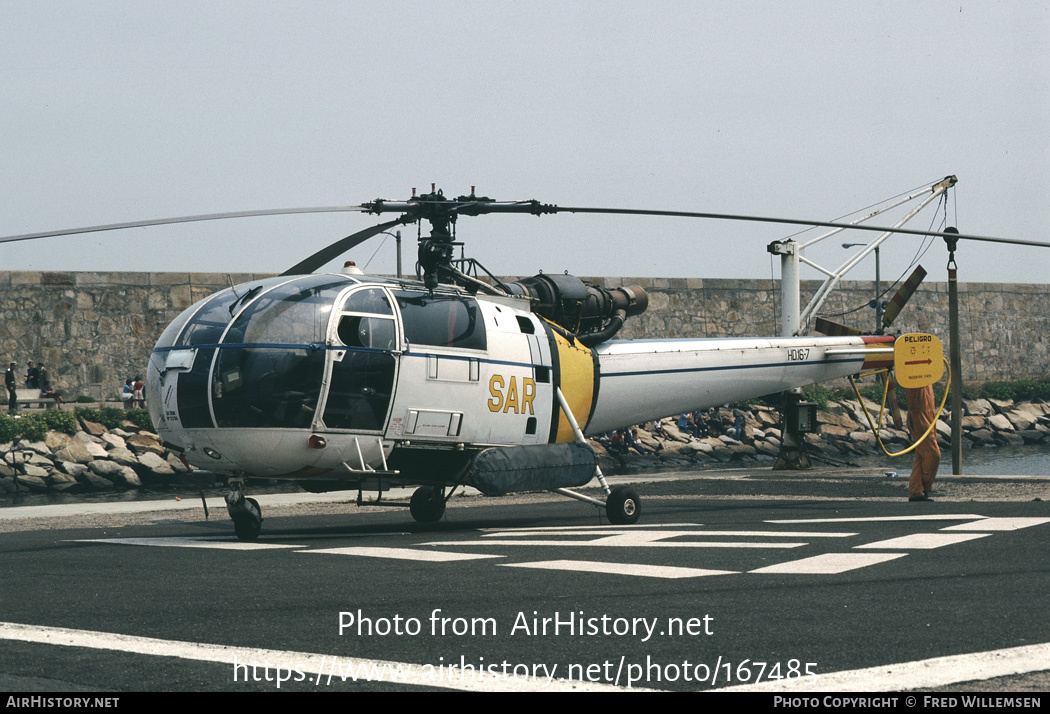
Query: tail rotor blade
<point x="336" y="249"/>
<point x="898" y="301"/>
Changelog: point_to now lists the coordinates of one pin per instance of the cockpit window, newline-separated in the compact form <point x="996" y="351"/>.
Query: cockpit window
<point x="441" y="320"/>
<point x="167" y="338"/>
<point x="206" y="321"/>
<point x="363" y="331"/>
<point x="371" y="300"/>
<point x="294" y="313"/>
<point x="362" y="378"/>
<point x="207" y="325"/>
<point x="360" y="391"/>
<point x="267" y="387"/>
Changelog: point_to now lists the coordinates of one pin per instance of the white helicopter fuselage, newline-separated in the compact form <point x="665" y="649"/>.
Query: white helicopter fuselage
<point x="332" y="377"/>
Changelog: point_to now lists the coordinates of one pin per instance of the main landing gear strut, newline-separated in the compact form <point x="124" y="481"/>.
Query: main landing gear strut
<point x="622" y="504"/>
<point x="245" y="512"/>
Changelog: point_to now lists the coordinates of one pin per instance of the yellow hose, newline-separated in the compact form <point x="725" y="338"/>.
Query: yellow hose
<point x="885" y="390"/>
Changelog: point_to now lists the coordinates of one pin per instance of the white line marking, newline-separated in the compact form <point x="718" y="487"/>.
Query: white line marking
<point x="998" y="524"/>
<point x="340" y="536"/>
<point x="592" y="528"/>
<point x="924" y="541"/>
<point x="828" y="564"/>
<point x="633" y="569"/>
<point x="399" y="673"/>
<point x="674" y="534"/>
<point x="621" y="542"/>
<point x="187" y="543"/>
<point x="433" y="556"/>
<point x="875" y="519"/>
<point x="921" y="674"/>
<point x="191" y="503"/>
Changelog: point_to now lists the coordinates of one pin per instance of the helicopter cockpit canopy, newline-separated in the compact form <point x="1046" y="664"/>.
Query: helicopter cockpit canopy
<point x="278" y="352"/>
<point x="253" y="355"/>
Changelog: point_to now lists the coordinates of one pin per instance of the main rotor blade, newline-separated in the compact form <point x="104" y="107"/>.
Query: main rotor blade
<point x="417" y="210"/>
<point x="789" y="221"/>
<point x="182" y="219"/>
<point x="336" y="249"/>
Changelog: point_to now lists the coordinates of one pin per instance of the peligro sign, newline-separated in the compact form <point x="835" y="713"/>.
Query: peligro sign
<point x="918" y="360"/>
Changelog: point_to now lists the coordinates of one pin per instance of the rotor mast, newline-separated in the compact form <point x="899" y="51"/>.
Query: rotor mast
<point x="436" y="250"/>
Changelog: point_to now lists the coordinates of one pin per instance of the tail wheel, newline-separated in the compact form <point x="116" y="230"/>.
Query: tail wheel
<point x="427" y="505"/>
<point x="623" y="506"/>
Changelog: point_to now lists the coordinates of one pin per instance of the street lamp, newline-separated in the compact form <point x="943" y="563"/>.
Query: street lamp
<point x="877" y="302"/>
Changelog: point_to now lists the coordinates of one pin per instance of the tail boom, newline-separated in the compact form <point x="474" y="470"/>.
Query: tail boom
<point x="648" y="379"/>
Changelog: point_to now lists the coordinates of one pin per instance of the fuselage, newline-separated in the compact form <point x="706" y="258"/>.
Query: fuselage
<point x="331" y="375"/>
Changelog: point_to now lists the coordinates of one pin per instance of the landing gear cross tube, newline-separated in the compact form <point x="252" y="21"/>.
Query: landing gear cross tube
<point x="623" y="507"/>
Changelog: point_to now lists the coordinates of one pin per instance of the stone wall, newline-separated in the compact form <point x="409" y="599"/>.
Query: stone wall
<point x="94" y="330"/>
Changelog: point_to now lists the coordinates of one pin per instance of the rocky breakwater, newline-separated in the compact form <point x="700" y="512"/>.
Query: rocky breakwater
<point x="97" y="459"/>
<point x="843" y="435"/>
<point x="93" y="459"/>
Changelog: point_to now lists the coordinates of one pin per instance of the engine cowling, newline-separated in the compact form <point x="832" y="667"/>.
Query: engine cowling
<point x="592" y="313"/>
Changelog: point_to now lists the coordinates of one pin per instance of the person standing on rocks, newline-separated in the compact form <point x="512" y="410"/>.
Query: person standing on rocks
<point x="740" y="425"/>
<point x="921" y="411"/>
<point x="11" y="382"/>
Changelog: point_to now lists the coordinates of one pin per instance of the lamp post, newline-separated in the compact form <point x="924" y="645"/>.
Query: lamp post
<point x="877" y="302"/>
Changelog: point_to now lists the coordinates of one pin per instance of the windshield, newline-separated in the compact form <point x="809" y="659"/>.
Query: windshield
<point x="270" y="367"/>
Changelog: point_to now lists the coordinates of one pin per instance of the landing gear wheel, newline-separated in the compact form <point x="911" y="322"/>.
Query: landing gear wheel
<point x="623" y="506"/>
<point x="245" y="523"/>
<point x="427" y="505"/>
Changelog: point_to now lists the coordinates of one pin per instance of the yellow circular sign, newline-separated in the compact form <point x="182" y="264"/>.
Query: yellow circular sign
<point x="918" y="360"/>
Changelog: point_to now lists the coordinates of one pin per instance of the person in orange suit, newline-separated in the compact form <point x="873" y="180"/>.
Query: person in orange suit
<point x="921" y="411"/>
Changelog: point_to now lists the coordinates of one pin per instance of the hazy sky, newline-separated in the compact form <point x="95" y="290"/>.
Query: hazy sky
<point x="117" y="111"/>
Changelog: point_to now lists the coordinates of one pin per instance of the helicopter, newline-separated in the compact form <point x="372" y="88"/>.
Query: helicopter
<point x="346" y="381"/>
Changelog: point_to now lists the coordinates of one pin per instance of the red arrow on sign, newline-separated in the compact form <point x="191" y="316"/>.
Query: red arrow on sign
<point x="921" y="361"/>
